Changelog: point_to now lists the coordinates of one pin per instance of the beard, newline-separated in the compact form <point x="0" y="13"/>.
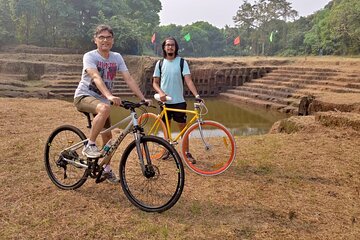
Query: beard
<point x="170" y="54"/>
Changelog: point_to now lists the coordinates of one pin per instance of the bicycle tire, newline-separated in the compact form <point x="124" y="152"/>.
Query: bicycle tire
<point x="154" y="126"/>
<point x="61" y="138"/>
<point x="148" y="120"/>
<point x="157" y="192"/>
<point x="218" y="157"/>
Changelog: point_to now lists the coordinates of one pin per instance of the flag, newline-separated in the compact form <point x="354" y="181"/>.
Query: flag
<point x="237" y="40"/>
<point x="271" y="36"/>
<point x="153" y="38"/>
<point x="187" y="37"/>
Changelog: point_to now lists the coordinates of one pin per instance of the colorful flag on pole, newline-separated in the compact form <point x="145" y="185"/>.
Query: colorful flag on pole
<point x="271" y="36"/>
<point x="153" y="38"/>
<point x="187" y="37"/>
<point x="237" y="40"/>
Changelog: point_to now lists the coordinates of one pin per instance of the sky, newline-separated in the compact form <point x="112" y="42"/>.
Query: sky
<point x="220" y="12"/>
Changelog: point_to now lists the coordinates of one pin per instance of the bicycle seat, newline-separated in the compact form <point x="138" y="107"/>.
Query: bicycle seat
<point x="88" y="117"/>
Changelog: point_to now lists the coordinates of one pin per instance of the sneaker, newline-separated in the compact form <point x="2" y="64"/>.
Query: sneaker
<point x="110" y="177"/>
<point x="91" y="151"/>
<point x="190" y="157"/>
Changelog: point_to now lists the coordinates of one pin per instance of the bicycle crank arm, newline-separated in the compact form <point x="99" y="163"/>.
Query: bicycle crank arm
<point x="76" y="163"/>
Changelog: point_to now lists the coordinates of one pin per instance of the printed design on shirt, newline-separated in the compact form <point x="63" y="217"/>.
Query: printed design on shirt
<point x="107" y="71"/>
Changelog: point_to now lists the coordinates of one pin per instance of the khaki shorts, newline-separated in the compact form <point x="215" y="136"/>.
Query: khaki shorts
<point x="88" y="104"/>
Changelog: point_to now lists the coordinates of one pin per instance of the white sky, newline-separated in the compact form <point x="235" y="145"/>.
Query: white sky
<point x="220" y="12"/>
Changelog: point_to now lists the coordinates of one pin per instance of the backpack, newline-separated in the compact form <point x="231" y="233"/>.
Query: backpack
<point x="181" y="67"/>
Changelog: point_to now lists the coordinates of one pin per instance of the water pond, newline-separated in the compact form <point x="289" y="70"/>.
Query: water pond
<point x="241" y="120"/>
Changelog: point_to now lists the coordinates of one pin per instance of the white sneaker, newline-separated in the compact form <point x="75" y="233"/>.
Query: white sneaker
<point x="91" y="151"/>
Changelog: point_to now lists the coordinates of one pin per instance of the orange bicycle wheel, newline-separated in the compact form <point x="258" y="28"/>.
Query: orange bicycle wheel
<point x="208" y="148"/>
<point x="154" y="126"/>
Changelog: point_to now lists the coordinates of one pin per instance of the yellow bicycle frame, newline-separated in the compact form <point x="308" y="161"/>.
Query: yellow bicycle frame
<point x="163" y="113"/>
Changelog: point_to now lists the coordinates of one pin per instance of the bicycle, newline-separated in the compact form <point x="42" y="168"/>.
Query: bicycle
<point x="151" y="184"/>
<point x="211" y="144"/>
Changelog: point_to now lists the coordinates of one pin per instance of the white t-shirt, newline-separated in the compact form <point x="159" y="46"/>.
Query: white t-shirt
<point x="107" y="68"/>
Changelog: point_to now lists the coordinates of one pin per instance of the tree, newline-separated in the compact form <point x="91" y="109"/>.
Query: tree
<point x="258" y="16"/>
<point x="26" y="18"/>
<point x="207" y="40"/>
<point x="344" y="28"/>
<point x="7" y="35"/>
<point x="296" y="35"/>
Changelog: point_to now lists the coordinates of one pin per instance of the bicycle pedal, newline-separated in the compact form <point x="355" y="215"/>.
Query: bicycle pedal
<point x="99" y="180"/>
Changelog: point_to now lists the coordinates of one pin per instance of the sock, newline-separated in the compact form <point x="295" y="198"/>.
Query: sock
<point x="107" y="168"/>
<point x="90" y="143"/>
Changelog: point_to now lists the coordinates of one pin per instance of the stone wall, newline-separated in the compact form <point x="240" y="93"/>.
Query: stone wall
<point x="212" y="81"/>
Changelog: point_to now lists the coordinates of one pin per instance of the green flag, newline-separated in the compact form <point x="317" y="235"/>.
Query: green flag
<point x="271" y="36"/>
<point x="187" y="37"/>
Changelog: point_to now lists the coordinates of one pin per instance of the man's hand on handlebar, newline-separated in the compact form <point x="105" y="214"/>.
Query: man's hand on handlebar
<point x="115" y="100"/>
<point x="199" y="99"/>
<point x="147" y="101"/>
<point x="163" y="97"/>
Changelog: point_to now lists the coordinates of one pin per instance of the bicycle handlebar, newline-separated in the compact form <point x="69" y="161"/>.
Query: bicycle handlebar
<point x="131" y="105"/>
<point x="157" y="97"/>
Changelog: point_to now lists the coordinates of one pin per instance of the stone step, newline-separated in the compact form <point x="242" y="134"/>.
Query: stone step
<point x="348" y="79"/>
<point x="71" y="94"/>
<point x="300" y="83"/>
<point x="273" y="87"/>
<point x="296" y="92"/>
<point x="307" y="74"/>
<point x="11" y="77"/>
<point x="261" y="103"/>
<point x="57" y="78"/>
<point x="266" y="97"/>
<point x="280" y="76"/>
<point x="334" y="75"/>
<point x="282" y="88"/>
<point x="307" y="69"/>
<point x="259" y="88"/>
<point x="67" y="73"/>
<point x="73" y="88"/>
<point x="65" y="84"/>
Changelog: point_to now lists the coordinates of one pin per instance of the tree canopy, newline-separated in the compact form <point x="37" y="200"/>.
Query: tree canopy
<point x="265" y="27"/>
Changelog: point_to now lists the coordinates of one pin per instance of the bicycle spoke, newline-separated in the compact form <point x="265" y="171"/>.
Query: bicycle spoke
<point x="160" y="186"/>
<point x="211" y="149"/>
<point x="62" y="173"/>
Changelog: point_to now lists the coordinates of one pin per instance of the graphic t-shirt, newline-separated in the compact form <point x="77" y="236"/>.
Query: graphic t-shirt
<point x="171" y="80"/>
<point x="107" y="68"/>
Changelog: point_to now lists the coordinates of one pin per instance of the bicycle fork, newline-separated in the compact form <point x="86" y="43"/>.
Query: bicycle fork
<point x="207" y="146"/>
<point x="142" y="150"/>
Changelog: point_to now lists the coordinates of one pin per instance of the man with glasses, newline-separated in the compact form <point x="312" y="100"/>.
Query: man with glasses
<point x="94" y="92"/>
<point x="168" y="81"/>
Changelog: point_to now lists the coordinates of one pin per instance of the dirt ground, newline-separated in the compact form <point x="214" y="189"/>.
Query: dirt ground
<point x="299" y="182"/>
<point x="303" y="185"/>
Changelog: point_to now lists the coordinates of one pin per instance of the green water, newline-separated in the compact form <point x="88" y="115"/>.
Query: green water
<point x="241" y="120"/>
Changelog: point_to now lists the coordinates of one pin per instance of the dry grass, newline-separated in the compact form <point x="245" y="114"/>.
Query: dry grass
<point x="282" y="186"/>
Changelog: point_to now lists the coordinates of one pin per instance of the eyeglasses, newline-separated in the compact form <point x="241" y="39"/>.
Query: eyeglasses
<point x="169" y="45"/>
<point x="103" y="38"/>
